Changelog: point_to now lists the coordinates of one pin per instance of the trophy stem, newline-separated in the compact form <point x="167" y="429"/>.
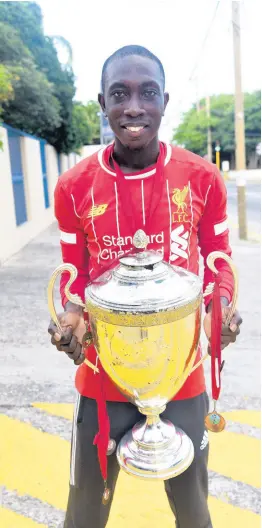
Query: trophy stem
<point x="154" y="448"/>
<point x="153" y="431"/>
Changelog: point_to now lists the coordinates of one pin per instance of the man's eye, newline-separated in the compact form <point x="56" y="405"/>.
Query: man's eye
<point x="149" y="94"/>
<point x="118" y="94"/>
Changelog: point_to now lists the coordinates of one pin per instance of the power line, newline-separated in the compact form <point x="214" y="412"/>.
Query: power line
<point x="204" y="41"/>
<point x="200" y="53"/>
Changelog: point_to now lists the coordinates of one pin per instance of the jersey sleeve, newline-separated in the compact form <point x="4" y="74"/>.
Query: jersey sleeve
<point x="73" y="242"/>
<point x="214" y="236"/>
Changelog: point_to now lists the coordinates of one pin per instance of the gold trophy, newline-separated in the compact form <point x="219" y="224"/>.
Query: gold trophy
<point x="145" y="318"/>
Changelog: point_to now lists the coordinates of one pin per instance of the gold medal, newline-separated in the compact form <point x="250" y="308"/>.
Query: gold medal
<point x="111" y="447"/>
<point x="106" y="496"/>
<point x="214" y="421"/>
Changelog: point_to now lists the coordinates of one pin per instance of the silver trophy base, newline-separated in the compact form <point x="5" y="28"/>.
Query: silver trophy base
<point x="155" y="450"/>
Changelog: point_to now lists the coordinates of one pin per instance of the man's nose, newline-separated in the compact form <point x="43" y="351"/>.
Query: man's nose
<point x="134" y="109"/>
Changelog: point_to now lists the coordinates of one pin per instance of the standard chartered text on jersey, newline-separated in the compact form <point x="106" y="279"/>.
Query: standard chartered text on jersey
<point x="126" y="243"/>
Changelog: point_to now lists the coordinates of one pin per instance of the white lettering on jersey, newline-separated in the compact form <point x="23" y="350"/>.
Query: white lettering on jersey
<point x="205" y="441"/>
<point x="109" y="254"/>
<point x="114" y="243"/>
<point x="179" y="243"/>
<point x="127" y="240"/>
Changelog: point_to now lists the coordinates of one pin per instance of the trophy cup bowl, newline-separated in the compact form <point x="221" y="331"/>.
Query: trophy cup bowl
<point x="145" y="318"/>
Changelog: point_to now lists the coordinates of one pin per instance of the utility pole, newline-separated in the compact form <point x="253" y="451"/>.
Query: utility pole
<point x="239" y="99"/>
<point x="217" y="149"/>
<point x="209" y="138"/>
<point x="240" y="150"/>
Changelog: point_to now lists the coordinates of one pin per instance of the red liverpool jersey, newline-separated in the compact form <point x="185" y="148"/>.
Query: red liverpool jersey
<point x="190" y="216"/>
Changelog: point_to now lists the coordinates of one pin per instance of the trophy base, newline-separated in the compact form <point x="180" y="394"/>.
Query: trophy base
<point x="155" y="450"/>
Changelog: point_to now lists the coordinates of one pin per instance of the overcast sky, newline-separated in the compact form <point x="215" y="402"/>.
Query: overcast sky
<point x="174" y="30"/>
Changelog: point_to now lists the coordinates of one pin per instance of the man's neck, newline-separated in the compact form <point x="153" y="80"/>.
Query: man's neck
<point x="134" y="160"/>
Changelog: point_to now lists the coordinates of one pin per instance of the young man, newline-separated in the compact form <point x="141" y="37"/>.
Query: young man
<point x="99" y="204"/>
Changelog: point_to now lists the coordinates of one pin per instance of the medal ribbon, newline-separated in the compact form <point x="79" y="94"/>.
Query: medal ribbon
<point x="216" y="328"/>
<point x="129" y="209"/>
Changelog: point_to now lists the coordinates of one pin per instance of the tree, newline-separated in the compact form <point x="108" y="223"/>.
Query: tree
<point x="192" y="132"/>
<point x="43" y="87"/>
<point x="252" y="121"/>
<point x="61" y="43"/>
<point x="32" y="104"/>
<point x="93" y="112"/>
<point x="34" y="107"/>
<point x="80" y="126"/>
<point x="6" y="89"/>
<point x="26" y="19"/>
<point x="12" y="48"/>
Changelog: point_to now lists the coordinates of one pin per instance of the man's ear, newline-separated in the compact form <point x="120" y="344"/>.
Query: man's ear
<point x="101" y="101"/>
<point x="166" y="99"/>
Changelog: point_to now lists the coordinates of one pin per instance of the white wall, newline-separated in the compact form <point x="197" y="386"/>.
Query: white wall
<point x="52" y="171"/>
<point x="33" y="179"/>
<point x="13" y="237"/>
<point x="7" y="206"/>
<point x="64" y="163"/>
<point x="71" y="160"/>
<point x="87" y="150"/>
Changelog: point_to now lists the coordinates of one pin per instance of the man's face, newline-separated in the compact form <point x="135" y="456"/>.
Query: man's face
<point x="134" y="100"/>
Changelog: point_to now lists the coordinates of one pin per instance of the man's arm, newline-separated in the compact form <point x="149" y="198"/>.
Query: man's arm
<point x="73" y="245"/>
<point x="74" y="251"/>
<point x="214" y="236"/>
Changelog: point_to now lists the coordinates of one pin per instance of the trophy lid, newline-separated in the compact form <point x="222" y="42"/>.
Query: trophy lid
<point x="143" y="284"/>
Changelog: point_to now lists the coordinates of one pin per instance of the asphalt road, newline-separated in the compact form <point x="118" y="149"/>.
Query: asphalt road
<point x="253" y="203"/>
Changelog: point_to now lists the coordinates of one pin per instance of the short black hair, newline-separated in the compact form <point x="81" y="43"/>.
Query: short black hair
<point x="127" y="51"/>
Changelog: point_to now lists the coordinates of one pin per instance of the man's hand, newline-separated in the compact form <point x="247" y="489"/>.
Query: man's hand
<point x="74" y="328"/>
<point x="229" y="332"/>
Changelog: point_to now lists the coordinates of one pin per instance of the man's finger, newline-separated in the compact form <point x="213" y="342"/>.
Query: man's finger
<point x="234" y="324"/>
<point x="70" y="348"/>
<point x="66" y="336"/>
<point x="54" y="341"/>
<point x="235" y="321"/>
<point x="226" y="331"/>
<point x="52" y="329"/>
<point x="81" y="356"/>
<point x="76" y="353"/>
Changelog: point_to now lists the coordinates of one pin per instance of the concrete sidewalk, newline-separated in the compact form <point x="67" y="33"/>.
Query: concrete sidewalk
<point x="32" y="371"/>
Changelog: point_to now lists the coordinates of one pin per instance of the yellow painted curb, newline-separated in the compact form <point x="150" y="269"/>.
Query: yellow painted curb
<point x="63" y="410"/>
<point x="34" y="463"/>
<point x="252" y="418"/>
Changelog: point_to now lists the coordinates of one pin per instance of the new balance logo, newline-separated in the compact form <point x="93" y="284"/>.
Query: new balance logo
<point x="204" y="441"/>
<point x="179" y="243"/>
<point x="97" y="210"/>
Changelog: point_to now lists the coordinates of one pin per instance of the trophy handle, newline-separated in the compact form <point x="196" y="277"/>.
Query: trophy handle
<point x="212" y="257"/>
<point x="73" y="297"/>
